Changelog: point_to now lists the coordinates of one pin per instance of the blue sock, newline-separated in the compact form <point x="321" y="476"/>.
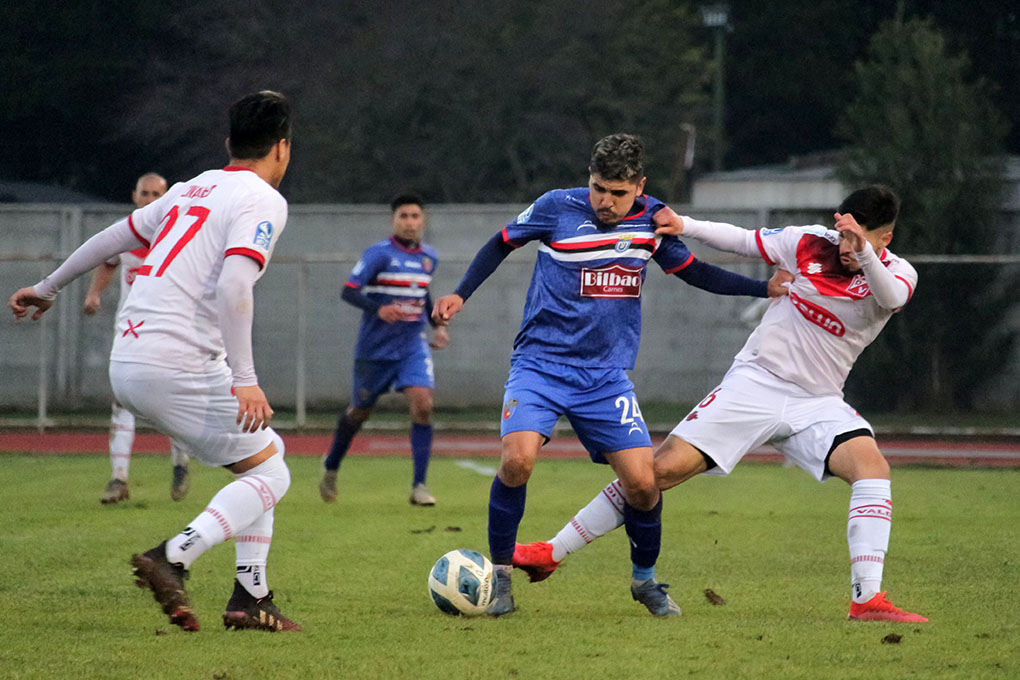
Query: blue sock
<point x="345" y="431"/>
<point x="421" y="450"/>
<point x="644" y="527"/>
<point x="506" y="507"/>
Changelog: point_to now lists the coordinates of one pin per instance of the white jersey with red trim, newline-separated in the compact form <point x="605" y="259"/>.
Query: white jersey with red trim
<point x="129" y="262"/>
<point x="170" y="319"/>
<point x="813" y="337"/>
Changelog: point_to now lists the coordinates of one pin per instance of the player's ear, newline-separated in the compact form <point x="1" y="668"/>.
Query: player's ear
<point x="226" y="145"/>
<point x="887" y="237"/>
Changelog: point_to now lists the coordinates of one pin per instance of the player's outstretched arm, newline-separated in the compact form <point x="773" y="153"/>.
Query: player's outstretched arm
<point x="100" y="282"/>
<point x="717" y="280"/>
<point x="722" y="236"/>
<point x="440" y="338"/>
<point x="446" y="308"/>
<point x="24" y="299"/>
<point x="667" y="222"/>
<point x="485" y="261"/>
<point x="779" y="283"/>
<point x="115" y="239"/>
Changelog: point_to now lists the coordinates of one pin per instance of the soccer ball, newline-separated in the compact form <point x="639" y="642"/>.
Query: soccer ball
<point x="461" y="582"/>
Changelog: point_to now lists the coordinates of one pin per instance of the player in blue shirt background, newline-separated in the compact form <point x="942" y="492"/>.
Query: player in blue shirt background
<point x="391" y="284"/>
<point x="578" y="338"/>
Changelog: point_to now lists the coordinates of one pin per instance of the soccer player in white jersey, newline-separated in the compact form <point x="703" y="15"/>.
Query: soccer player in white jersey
<point x="182" y="356"/>
<point x="148" y="188"/>
<point x="785" y="386"/>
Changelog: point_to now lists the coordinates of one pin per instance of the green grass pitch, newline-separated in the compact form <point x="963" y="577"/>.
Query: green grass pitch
<point x="770" y="541"/>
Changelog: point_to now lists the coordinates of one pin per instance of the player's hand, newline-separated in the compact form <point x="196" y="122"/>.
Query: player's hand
<point x="24" y="299"/>
<point x="446" y="308"/>
<point x="667" y="222"/>
<point x="848" y="228"/>
<point x="391" y="313"/>
<point x="253" y="408"/>
<point x="779" y="284"/>
<point x="93" y="302"/>
<point x="440" y="338"/>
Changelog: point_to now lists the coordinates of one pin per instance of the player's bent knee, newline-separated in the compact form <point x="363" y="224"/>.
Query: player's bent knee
<point x="274" y="474"/>
<point x="642" y="498"/>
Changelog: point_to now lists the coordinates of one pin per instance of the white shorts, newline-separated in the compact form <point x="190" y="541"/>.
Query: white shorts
<point x="196" y="409"/>
<point x="751" y="407"/>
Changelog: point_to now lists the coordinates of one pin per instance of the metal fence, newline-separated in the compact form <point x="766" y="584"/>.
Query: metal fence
<point x="304" y="336"/>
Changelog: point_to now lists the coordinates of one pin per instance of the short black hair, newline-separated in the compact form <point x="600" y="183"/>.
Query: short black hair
<point x="406" y="198"/>
<point x="257" y="122"/>
<point x="872" y="207"/>
<point x="618" y="157"/>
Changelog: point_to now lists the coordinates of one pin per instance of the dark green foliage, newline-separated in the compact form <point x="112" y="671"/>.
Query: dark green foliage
<point x="920" y="123"/>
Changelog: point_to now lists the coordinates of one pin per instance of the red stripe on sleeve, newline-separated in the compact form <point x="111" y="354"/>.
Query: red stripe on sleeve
<point x="248" y="252"/>
<point x="507" y="240"/>
<point x="687" y="262"/>
<point x="910" y="289"/>
<point x="131" y="226"/>
<point x="761" y="248"/>
<point x="351" y="284"/>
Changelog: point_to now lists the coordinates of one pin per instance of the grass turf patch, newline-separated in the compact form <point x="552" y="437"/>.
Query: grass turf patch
<point x="769" y="540"/>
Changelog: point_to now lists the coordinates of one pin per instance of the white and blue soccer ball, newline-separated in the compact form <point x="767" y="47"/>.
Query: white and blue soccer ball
<point x="461" y="582"/>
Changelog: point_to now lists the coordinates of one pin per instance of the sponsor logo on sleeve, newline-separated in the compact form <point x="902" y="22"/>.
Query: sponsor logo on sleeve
<point x="263" y="235"/>
<point x="427" y="264"/>
<point x="358" y="267"/>
<point x="771" y="232"/>
<point x="614" y="281"/>
<point x="587" y="224"/>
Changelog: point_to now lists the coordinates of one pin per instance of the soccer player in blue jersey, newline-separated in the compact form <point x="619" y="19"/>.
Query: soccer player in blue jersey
<point x="390" y="283"/>
<point x="578" y="338"/>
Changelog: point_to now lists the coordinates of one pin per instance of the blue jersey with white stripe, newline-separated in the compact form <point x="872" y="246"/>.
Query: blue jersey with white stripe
<point x="390" y="273"/>
<point x="584" y="304"/>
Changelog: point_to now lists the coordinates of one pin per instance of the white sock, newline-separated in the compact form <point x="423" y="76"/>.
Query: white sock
<point x="252" y="549"/>
<point x="178" y="455"/>
<point x="603" y="514"/>
<point x="867" y="534"/>
<point x="235" y="508"/>
<point x="122" y="436"/>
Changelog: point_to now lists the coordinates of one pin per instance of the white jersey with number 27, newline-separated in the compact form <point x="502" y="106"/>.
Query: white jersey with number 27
<point x="171" y="319"/>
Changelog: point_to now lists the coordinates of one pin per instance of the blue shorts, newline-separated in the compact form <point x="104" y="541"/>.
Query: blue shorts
<point x="599" y="403"/>
<point x="374" y="378"/>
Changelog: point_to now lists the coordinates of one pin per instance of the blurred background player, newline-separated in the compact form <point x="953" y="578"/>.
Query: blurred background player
<point x="149" y="187"/>
<point x="190" y="312"/>
<point x="579" y="336"/>
<point x="390" y="283"/>
<point x="785" y="386"/>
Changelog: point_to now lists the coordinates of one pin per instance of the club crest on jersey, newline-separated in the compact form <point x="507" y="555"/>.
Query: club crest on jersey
<point x="508" y="408"/>
<point x="623" y="244"/>
<point x="819" y="316"/>
<point x="614" y="281"/>
<point x="526" y="215"/>
<point x="263" y="235"/>
<point x="858" y="287"/>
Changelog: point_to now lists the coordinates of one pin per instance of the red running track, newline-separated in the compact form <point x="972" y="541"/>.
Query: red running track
<point x="898" y="451"/>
